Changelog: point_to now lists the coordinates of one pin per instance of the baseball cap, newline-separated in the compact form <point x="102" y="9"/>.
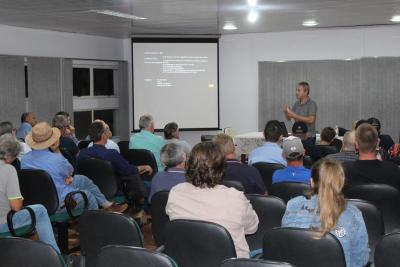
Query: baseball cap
<point x="299" y="127"/>
<point x="292" y="148"/>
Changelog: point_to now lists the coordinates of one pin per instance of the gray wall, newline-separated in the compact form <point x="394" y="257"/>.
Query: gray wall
<point x="345" y="91"/>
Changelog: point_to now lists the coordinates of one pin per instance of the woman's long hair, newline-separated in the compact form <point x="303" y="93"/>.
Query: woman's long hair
<point x="328" y="178"/>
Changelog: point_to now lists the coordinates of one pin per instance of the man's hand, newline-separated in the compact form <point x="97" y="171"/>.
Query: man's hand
<point x="145" y="168"/>
<point x="287" y="111"/>
<point x="68" y="180"/>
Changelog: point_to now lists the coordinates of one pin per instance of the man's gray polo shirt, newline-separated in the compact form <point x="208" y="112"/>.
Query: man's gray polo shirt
<point x="309" y="108"/>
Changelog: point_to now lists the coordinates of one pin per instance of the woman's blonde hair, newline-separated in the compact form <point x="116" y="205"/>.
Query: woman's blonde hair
<point x="328" y="178"/>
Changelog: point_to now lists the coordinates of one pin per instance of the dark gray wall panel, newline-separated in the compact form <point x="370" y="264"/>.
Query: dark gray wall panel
<point x="12" y="89"/>
<point x="44" y="78"/>
<point x="335" y="86"/>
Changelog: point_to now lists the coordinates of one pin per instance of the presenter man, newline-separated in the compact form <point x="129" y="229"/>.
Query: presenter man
<point x="305" y="109"/>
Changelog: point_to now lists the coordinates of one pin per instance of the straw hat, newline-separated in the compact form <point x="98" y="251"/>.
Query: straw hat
<point x="42" y="136"/>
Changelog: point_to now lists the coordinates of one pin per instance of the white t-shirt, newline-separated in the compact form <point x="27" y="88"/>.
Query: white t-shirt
<point x="109" y="145"/>
<point x="24" y="149"/>
<point x="222" y="205"/>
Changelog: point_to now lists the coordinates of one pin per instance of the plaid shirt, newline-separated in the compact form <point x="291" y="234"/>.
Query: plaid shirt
<point x="343" y="156"/>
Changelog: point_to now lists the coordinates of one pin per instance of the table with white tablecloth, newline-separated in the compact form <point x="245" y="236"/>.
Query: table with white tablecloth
<point x="247" y="142"/>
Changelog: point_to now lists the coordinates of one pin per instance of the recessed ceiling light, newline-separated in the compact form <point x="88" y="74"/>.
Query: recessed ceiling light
<point x="348" y="59"/>
<point x="310" y="23"/>
<point x="229" y="26"/>
<point x="281" y="61"/>
<point x="395" y="18"/>
<point x="252" y="16"/>
<point x="252" y="3"/>
<point x="117" y="14"/>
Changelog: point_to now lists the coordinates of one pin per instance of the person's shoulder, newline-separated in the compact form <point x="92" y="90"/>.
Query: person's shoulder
<point x="390" y="166"/>
<point x="312" y="102"/>
<point x="67" y="140"/>
<point x="353" y="211"/>
<point x="387" y="163"/>
<point x="303" y="169"/>
<point x="348" y="165"/>
<point x="297" y="201"/>
<point x="231" y="194"/>
<point x="249" y="169"/>
<point x="182" y="187"/>
<point x="7" y="169"/>
<point x="159" y="139"/>
<point x="257" y="151"/>
<point x="279" y="172"/>
<point x="157" y="177"/>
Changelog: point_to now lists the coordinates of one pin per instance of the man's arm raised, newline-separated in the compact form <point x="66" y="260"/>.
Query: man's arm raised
<point x="306" y="119"/>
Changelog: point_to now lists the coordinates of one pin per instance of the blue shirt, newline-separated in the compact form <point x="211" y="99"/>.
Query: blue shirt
<point x="54" y="164"/>
<point x="165" y="180"/>
<point x="350" y="228"/>
<point x="23" y="130"/>
<point x="249" y="176"/>
<point x="292" y="174"/>
<point x="121" y="166"/>
<point x="147" y="140"/>
<point x="269" y="152"/>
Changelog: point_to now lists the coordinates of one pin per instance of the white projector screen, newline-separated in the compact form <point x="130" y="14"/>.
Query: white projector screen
<point x="176" y="81"/>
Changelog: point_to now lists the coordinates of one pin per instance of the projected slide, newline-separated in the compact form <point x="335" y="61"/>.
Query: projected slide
<point x="176" y="82"/>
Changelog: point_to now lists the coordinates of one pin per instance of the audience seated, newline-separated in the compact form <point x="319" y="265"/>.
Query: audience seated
<point x="146" y="139"/>
<point x="368" y="169"/>
<point x="203" y="198"/>
<point x="46" y="156"/>
<point x="171" y="135"/>
<point x="348" y="151"/>
<point x="6" y="127"/>
<point x="293" y="151"/>
<point x="110" y="143"/>
<point x="174" y="159"/>
<point x="98" y="132"/>
<point x="71" y="129"/>
<point x="28" y="120"/>
<point x="327" y="211"/>
<point x="11" y="198"/>
<point x="385" y="141"/>
<point x="324" y="147"/>
<point x="270" y="152"/>
<point x="67" y="146"/>
<point x="249" y="176"/>
<point x="300" y="130"/>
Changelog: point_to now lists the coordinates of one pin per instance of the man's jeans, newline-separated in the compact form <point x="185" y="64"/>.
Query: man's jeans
<point x="95" y="197"/>
<point x="43" y="225"/>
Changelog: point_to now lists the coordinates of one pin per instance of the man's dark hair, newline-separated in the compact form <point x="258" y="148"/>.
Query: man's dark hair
<point x="376" y="123"/>
<point x="23" y="116"/>
<point x="328" y="134"/>
<point x="273" y="131"/>
<point x="359" y="122"/>
<point x="170" y="129"/>
<point x="205" y="165"/>
<point x="96" y="129"/>
<point x="305" y="85"/>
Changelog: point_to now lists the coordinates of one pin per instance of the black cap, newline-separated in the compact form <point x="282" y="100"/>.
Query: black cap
<point x="299" y="128"/>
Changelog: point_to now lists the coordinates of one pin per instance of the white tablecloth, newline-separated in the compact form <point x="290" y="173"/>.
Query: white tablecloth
<point x="245" y="143"/>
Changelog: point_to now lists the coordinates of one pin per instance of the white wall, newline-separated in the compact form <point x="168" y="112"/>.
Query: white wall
<point x="31" y="42"/>
<point x="240" y="54"/>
